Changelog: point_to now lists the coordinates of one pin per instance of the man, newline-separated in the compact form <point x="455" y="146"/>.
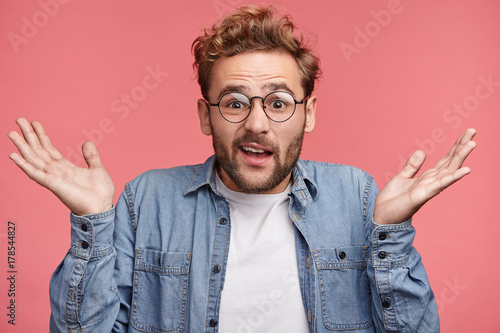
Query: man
<point x="254" y="239"/>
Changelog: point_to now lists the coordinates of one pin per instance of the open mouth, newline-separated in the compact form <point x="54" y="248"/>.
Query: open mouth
<point x="254" y="152"/>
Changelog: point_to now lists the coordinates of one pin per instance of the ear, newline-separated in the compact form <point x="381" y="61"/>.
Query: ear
<point x="204" y="115"/>
<point x="310" y="114"/>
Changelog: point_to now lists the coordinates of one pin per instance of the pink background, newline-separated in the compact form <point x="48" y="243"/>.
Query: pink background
<point x="386" y="91"/>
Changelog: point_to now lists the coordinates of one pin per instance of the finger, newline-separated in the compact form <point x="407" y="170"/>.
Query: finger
<point x="25" y="150"/>
<point x="45" y="140"/>
<point x="28" y="133"/>
<point x="413" y="164"/>
<point x="32" y="139"/>
<point x="460" y="155"/>
<point x="31" y="171"/>
<point x="467" y="136"/>
<point x="446" y="158"/>
<point x="91" y="155"/>
<point x="462" y="140"/>
<point x="444" y="182"/>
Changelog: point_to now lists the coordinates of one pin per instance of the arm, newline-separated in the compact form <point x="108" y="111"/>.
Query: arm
<point x="91" y="290"/>
<point x="83" y="292"/>
<point x="402" y="299"/>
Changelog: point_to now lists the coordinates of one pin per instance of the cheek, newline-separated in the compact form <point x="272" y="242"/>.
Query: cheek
<point x="224" y="135"/>
<point x="288" y="134"/>
<point x="286" y="138"/>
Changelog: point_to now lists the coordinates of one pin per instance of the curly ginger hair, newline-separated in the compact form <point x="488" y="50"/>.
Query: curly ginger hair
<point x="252" y="28"/>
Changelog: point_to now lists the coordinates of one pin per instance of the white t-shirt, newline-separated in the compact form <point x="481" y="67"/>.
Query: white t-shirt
<point x="261" y="288"/>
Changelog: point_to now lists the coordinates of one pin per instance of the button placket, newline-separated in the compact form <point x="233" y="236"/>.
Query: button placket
<point x="219" y="253"/>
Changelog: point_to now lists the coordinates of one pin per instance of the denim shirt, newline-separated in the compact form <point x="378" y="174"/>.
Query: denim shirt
<point x="156" y="262"/>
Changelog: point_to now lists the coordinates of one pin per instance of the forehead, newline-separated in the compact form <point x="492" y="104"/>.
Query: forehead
<point x="256" y="72"/>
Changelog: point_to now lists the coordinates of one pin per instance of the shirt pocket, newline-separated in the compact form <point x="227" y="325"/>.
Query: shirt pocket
<point x="160" y="290"/>
<point x="344" y="287"/>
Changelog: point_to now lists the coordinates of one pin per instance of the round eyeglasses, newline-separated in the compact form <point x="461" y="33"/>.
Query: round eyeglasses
<point x="279" y="106"/>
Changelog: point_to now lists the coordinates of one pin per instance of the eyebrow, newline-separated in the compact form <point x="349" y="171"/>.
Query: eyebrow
<point x="282" y="86"/>
<point x="270" y="87"/>
<point x="232" y="88"/>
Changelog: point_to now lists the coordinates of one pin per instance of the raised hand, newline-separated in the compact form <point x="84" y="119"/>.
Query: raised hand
<point x="83" y="190"/>
<point x="403" y="195"/>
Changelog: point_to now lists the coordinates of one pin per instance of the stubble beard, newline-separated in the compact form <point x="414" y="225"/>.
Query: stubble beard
<point x="227" y="161"/>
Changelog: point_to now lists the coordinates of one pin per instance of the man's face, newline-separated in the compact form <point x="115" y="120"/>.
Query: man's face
<point x="256" y="155"/>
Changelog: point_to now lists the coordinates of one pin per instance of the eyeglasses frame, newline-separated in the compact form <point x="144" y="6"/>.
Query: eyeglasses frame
<point x="263" y="106"/>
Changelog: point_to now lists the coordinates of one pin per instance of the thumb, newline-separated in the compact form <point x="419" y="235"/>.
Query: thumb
<point x="91" y="155"/>
<point x="413" y="164"/>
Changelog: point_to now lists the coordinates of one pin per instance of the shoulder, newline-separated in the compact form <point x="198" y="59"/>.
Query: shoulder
<point x="171" y="179"/>
<point x="324" y="171"/>
<point x="339" y="187"/>
<point x="167" y="173"/>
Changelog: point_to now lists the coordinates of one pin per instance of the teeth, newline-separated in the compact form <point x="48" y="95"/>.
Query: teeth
<point x="253" y="150"/>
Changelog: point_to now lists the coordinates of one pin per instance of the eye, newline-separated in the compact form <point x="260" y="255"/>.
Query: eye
<point x="234" y="102"/>
<point x="278" y="104"/>
<point x="235" y="105"/>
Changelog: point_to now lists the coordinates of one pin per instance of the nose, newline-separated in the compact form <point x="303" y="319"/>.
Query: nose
<point x="257" y="121"/>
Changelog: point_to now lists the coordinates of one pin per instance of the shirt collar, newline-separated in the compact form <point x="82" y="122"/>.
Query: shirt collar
<point x="303" y="188"/>
<point x="205" y="175"/>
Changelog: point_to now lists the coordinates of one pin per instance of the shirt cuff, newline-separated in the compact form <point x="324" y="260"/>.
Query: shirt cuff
<point x="92" y="235"/>
<point x="392" y="243"/>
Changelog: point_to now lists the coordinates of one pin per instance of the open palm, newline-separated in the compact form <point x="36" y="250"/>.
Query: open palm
<point x="83" y="190"/>
<point x="404" y="195"/>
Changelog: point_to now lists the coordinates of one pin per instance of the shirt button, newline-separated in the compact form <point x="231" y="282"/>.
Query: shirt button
<point x="213" y="323"/>
<point x="342" y="255"/>
<point x="83" y="227"/>
<point x="386" y="303"/>
<point x="85" y="245"/>
<point x="382" y="255"/>
<point x="223" y="221"/>
<point x="216" y="270"/>
<point x="382" y="236"/>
